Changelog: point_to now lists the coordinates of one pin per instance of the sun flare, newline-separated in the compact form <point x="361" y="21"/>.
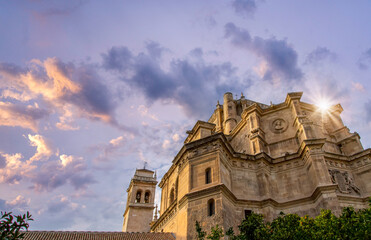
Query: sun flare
<point x="323" y="105"/>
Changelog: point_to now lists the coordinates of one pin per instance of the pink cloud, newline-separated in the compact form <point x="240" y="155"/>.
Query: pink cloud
<point x="25" y="116"/>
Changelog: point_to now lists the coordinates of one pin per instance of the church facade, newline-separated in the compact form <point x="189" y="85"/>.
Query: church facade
<point x="248" y="156"/>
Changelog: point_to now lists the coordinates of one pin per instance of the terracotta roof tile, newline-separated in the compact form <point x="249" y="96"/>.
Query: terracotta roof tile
<point x="46" y="235"/>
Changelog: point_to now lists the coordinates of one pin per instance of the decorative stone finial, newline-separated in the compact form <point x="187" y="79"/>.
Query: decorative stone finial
<point x="155" y="217"/>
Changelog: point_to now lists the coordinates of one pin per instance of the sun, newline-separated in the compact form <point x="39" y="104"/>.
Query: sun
<point x="323" y="105"/>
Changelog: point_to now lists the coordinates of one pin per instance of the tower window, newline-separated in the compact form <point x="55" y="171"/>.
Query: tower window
<point x="146" y="197"/>
<point x="247" y="213"/>
<point x="208" y="175"/>
<point x="138" y="196"/>
<point x="211" y="207"/>
<point x="172" y="196"/>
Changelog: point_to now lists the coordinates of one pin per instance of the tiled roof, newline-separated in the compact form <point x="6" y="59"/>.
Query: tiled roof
<point x="48" y="235"/>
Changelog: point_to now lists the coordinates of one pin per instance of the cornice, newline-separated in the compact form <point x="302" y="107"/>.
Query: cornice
<point x="221" y="188"/>
<point x="354" y="157"/>
<point x="138" y="205"/>
<point x="350" y="138"/>
<point x="353" y="198"/>
<point x="360" y="154"/>
<point x="293" y="96"/>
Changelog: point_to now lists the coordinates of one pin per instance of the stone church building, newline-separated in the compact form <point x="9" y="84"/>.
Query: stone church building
<point x="248" y="156"/>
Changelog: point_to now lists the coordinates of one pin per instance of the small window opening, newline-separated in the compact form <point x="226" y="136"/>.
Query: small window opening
<point x="172" y="196"/>
<point x="340" y="148"/>
<point x="138" y="196"/>
<point x="146" y="197"/>
<point x="176" y="186"/>
<point x="208" y="176"/>
<point x="248" y="213"/>
<point x="211" y="207"/>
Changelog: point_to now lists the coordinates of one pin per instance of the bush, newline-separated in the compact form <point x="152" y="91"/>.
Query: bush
<point x="350" y="224"/>
<point x="11" y="226"/>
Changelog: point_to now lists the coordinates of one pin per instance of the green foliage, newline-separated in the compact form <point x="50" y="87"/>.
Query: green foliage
<point x="350" y="224"/>
<point x="216" y="233"/>
<point x="230" y="234"/>
<point x="11" y="226"/>
<point x="200" y="234"/>
<point x="288" y="227"/>
<point x="251" y="227"/>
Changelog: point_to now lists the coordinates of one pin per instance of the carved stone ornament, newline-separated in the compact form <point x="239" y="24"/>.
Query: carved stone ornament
<point x="279" y="125"/>
<point x="345" y="181"/>
<point x="204" y="149"/>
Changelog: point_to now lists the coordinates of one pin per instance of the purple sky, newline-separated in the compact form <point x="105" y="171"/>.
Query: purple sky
<point x="90" y="90"/>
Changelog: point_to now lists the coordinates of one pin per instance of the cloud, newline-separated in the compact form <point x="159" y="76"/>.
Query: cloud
<point x="48" y="174"/>
<point x="20" y="203"/>
<point x="68" y="170"/>
<point x="116" y="141"/>
<point x="210" y="21"/>
<point x="114" y="144"/>
<point x="166" y="144"/>
<point x="111" y="150"/>
<point x="155" y="50"/>
<point x="10" y="70"/>
<point x="197" y="53"/>
<point x="43" y="149"/>
<point x="66" y="120"/>
<point x="279" y="59"/>
<point x="245" y="8"/>
<point x="358" y="86"/>
<point x="176" y="137"/>
<point x="364" y="62"/>
<point x="117" y="59"/>
<point x="2" y="204"/>
<point x="367" y="107"/>
<point x="61" y="203"/>
<point x="73" y="91"/>
<point x="144" y="111"/>
<point x="320" y="54"/>
<point x="13" y="94"/>
<point x="15" y="168"/>
<point x="192" y="85"/>
<point x="66" y="160"/>
<point x="17" y="115"/>
<point x="2" y="161"/>
<point x="50" y="9"/>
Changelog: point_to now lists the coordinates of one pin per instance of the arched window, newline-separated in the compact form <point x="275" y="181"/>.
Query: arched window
<point x="138" y="196"/>
<point x="208" y="175"/>
<point x="211" y="207"/>
<point x="172" y="196"/>
<point x="146" y="197"/>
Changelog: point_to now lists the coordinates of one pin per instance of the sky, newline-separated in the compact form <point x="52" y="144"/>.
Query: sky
<point x="91" y="90"/>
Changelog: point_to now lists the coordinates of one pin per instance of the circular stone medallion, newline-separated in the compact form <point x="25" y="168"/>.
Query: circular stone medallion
<point x="279" y="125"/>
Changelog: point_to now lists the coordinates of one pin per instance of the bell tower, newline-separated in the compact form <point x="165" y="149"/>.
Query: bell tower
<point x="140" y="202"/>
